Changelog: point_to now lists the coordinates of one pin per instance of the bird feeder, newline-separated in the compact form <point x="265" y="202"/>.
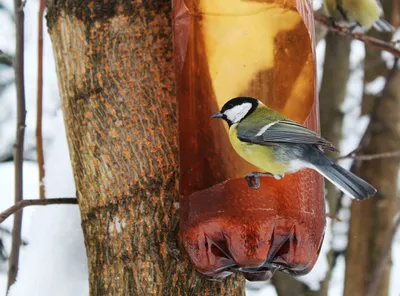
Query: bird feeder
<point x="263" y="49"/>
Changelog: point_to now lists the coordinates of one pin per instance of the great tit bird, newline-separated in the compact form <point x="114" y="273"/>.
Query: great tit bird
<point x="363" y="13"/>
<point x="279" y="146"/>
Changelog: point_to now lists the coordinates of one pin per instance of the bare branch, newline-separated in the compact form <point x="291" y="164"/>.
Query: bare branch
<point x="39" y="110"/>
<point x="353" y="155"/>
<point x="377" y="273"/>
<point x="343" y="30"/>
<point x="5" y="58"/>
<point x="19" y="141"/>
<point x="35" y="202"/>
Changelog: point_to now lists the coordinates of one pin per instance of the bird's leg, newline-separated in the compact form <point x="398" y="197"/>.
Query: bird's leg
<point x="332" y="22"/>
<point x="352" y="27"/>
<point x="253" y="179"/>
<point x="342" y="12"/>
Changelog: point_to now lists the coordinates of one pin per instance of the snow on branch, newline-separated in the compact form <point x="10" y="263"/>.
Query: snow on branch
<point x="35" y="202"/>
<point x="343" y="30"/>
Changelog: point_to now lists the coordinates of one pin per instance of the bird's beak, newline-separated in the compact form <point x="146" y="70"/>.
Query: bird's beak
<point x="217" y="115"/>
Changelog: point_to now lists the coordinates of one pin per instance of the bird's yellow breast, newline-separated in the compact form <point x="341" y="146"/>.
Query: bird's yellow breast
<point x="262" y="157"/>
<point x="366" y="12"/>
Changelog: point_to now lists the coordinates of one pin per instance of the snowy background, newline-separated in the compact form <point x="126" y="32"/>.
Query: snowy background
<point x="54" y="261"/>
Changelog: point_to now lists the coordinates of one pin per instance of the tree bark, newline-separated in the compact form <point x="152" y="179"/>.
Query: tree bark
<point x="13" y="260"/>
<point x="332" y="94"/>
<point x="320" y="29"/>
<point x="372" y="220"/>
<point x="115" y="69"/>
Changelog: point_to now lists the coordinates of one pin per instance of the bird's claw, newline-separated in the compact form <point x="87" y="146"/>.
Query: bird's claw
<point x="332" y="22"/>
<point x="342" y="12"/>
<point x="253" y="179"/>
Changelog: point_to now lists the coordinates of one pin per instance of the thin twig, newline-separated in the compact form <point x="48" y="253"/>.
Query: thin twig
<point x="378" y="271"/>
<point x="343" y="30"/>
<point x="19" y="141"/>
<point x="35" y="202"/>
<point x="5" y="58"/>
<point x="351" y="153"/>
<point x="370" y="156"/>
<point x="39" y="110"/>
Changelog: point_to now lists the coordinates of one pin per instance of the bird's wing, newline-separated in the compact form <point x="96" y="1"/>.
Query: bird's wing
<point x="380" y="5"/>
<point x="282" y="131"/>
<point x="382" y="25"/>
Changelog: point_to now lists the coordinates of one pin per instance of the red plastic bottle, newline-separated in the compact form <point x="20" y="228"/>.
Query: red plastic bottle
<point x="263" y="49"/>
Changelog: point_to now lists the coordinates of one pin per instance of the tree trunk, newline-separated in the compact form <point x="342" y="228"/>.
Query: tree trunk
<point x="372" y="220"/>
<point x="115" y="69"/>
<point x="332" y="95"/>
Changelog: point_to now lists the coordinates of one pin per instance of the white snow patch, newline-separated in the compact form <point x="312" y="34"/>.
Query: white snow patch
<point x="394" y="287"/>
<point x="260" y="289"/>
<point x="357" y="54"/>
<point x="388" y="57"/>
<point x="116" y="225"/>
<point x="320" y="53"/>
<point x="375" y="87"/>
<point x="336" y="285"/>
<point x="340" y="230"/>
<point x="317" y="4"/>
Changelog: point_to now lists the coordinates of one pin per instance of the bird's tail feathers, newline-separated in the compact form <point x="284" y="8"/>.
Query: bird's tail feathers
<point x="346" y="181"/>
<point x="382" y="25"/>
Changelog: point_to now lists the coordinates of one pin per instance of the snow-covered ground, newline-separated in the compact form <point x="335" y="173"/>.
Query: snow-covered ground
<point x="54" y="261"/>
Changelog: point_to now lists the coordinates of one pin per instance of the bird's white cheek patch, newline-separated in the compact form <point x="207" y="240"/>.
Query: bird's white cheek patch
<point x="237" y="113"/>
